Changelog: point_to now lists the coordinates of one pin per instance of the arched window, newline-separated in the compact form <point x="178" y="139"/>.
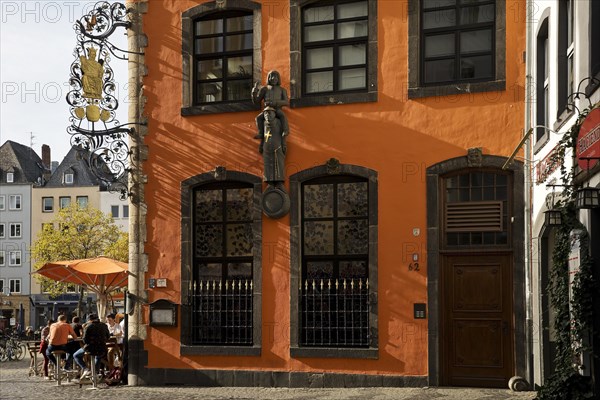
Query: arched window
<point x="334" y="262"/>
<point x="221" y="264"/>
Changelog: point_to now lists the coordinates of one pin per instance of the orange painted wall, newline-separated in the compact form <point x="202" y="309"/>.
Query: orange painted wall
<point x="397" y="137"/>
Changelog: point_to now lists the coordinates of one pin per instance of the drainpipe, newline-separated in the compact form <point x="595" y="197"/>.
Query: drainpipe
<point x="529" y="96"/>
<point x="136" y="330"/>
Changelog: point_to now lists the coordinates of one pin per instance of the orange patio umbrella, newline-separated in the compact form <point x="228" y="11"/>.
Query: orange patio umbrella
<point x="100" y="275"/>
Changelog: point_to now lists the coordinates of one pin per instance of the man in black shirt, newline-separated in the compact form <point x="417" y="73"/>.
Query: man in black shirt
<point x="95" y="336"/>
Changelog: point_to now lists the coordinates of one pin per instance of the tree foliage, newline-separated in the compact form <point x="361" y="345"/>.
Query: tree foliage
<point x="76" y="233"/>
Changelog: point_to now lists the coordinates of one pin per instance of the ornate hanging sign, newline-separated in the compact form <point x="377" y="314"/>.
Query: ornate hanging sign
<point x="588" y="140"/>
<point x="94" y="128"/>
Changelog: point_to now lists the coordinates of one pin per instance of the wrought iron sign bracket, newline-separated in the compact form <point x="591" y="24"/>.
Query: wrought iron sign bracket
<point x="94" y="129"/>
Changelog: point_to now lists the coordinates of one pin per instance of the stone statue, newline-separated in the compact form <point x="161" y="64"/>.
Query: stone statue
<point x="272" y="127"/>
<point x="273" y="95"/>
<point x="273" y="147"/>
<point x="92" y="75"/>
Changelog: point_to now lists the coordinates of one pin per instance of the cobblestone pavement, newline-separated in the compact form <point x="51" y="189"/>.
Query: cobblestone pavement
<point x="16" y="385"/>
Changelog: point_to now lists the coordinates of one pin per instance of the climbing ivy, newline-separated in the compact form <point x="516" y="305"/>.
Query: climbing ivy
<point x="573" y="316"/>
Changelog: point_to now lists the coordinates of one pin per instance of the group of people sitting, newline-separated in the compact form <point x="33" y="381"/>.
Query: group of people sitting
<point x="61" y="335"/>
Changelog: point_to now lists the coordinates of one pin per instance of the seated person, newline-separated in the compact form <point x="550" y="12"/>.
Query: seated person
<point x="59" y="340"/>
<point x="45" y="337"/>
<point x="95" y="336"/>
<point x="116" y="332"/>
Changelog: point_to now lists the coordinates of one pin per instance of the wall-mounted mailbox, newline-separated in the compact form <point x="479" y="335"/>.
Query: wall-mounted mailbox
<point x="163" y="313"/>
<point x="420" y="311"/>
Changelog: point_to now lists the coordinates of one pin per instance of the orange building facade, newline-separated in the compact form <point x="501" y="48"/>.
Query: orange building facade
<point x="400" y="261"/>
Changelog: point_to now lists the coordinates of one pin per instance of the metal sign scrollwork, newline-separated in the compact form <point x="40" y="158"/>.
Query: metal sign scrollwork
<point x="103" y="140"/>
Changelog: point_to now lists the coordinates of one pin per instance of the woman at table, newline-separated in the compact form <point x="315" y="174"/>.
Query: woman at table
<point x="117" y="333"/>
<point x="44" y="335"/>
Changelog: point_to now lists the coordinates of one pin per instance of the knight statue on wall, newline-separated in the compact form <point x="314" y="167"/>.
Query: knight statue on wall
<point x="273" y="130"/>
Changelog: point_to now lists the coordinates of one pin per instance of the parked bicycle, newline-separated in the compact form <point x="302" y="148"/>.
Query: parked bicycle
<point x="11" y="348"/>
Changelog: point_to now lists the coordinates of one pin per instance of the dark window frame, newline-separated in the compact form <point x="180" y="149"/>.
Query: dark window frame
<point x="188" y="18"/>
<point x="296" y="182"/>
<point x="297" y="63"/>
<point x="594" y="48"/>
<point x="566" y="54"/>
<point x="187" y="253"/>
<point x="542" y="135"/>
<point x="416" y="88"/>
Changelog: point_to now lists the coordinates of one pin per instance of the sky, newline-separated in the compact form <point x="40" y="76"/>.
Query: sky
<point x="36" y="51"/>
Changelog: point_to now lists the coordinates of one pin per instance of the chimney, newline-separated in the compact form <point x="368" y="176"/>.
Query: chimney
<point x="46" y="161"/>
<point x="46" y="155"/>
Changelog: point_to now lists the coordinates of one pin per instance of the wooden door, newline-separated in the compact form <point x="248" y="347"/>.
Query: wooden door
<point x="476" y="321"/>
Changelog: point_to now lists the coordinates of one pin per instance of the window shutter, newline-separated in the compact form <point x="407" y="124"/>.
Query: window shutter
<point x="473" y="216"/>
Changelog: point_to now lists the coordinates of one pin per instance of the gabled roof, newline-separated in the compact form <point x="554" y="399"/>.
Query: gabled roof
<point x="75" y="163"/>
<point x="22" y="160"/>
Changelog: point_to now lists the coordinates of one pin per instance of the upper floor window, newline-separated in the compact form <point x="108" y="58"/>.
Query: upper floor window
<point x="566" y="58"/>
<point x="455" y="44"/>
<point x="68" y="178"/>
<point x="220" y="48"/>
<point x="2" y="203"/>
<point x="14" y="258"/>
<point x="2" y="258"/>
<point x="47" y="204"/>
<point x="334" y="40"/>
<point x="2" y="286"/>
<point x="64" y="202"/>
<point x="14" y="202"/>
<point x="2" y="233"/>
<point x="114" y="211"/>
<point x="14" y="285"/>
<point x="15" y="230"/>
<point x="594" y="46"/>
<point x="10" y="177"/>
<point x="337" y="54"/>
<point x="82" y="201"/>
<point x="125" y="211"/>
<point x="542" y="84"/>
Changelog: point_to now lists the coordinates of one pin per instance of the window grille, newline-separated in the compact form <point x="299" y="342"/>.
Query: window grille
<point x="221" y="312"/>
<point x="335" y="313"/>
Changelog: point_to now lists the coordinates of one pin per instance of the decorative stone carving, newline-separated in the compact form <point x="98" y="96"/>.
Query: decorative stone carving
<point x="474" y="157"/>
<point x="333" y="166"/>
<point x="220" y="173"/>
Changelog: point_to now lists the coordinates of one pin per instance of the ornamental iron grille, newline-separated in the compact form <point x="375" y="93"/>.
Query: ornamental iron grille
<point x="221" y="290"/>
<point x="93" y="104"/>
<point x="477" y="209"/>
<point x="334" y="289"/>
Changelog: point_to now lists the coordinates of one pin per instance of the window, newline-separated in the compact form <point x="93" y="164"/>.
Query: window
<point x="566" y="50"/>
<point x="2" y="286"/>
<point x="455" y="44"/>
<point x="477" y="209"/>
<point x="14" y="258"/>
<point x="542" y="83"/>
<point x="2" y="233"/>
<point x="220" y="48"/>
<point x="2" y="203"/>
<point x="594" y="47"/>
<point x="336" y="272"/>
<point x="221" y="277"/>
<point x="15" y="230"/>
<point x="334" y="52"/>
<point x="68" y="178"/>
<point x="2" y="258"/>
<point x="82" y="201"/>
<point x="47" y="226"/>
<point x="14" y="285"/>
<point x="47" y="204"/>
<point x="125" y="211"/>
<point x="223" y="251"/>
<point x="64" y="202"/>
<point x="114" y="211"/>
<point x="10" y="177"/>
<point x="14" y="202"/>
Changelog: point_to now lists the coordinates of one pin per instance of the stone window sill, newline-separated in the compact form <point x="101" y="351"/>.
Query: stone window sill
<point x="329" y="352"/>
<point x="457" y="88"/>
<point x="219" y="108"/>
<point x="220" y="350"/>
<point x="332" y="99"/>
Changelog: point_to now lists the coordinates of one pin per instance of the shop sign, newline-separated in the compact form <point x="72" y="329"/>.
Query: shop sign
<point x="588" y="140"/>
<point x="547" y="166"/>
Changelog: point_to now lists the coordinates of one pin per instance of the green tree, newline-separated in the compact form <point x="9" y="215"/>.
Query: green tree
<point x="76" y="233"/>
